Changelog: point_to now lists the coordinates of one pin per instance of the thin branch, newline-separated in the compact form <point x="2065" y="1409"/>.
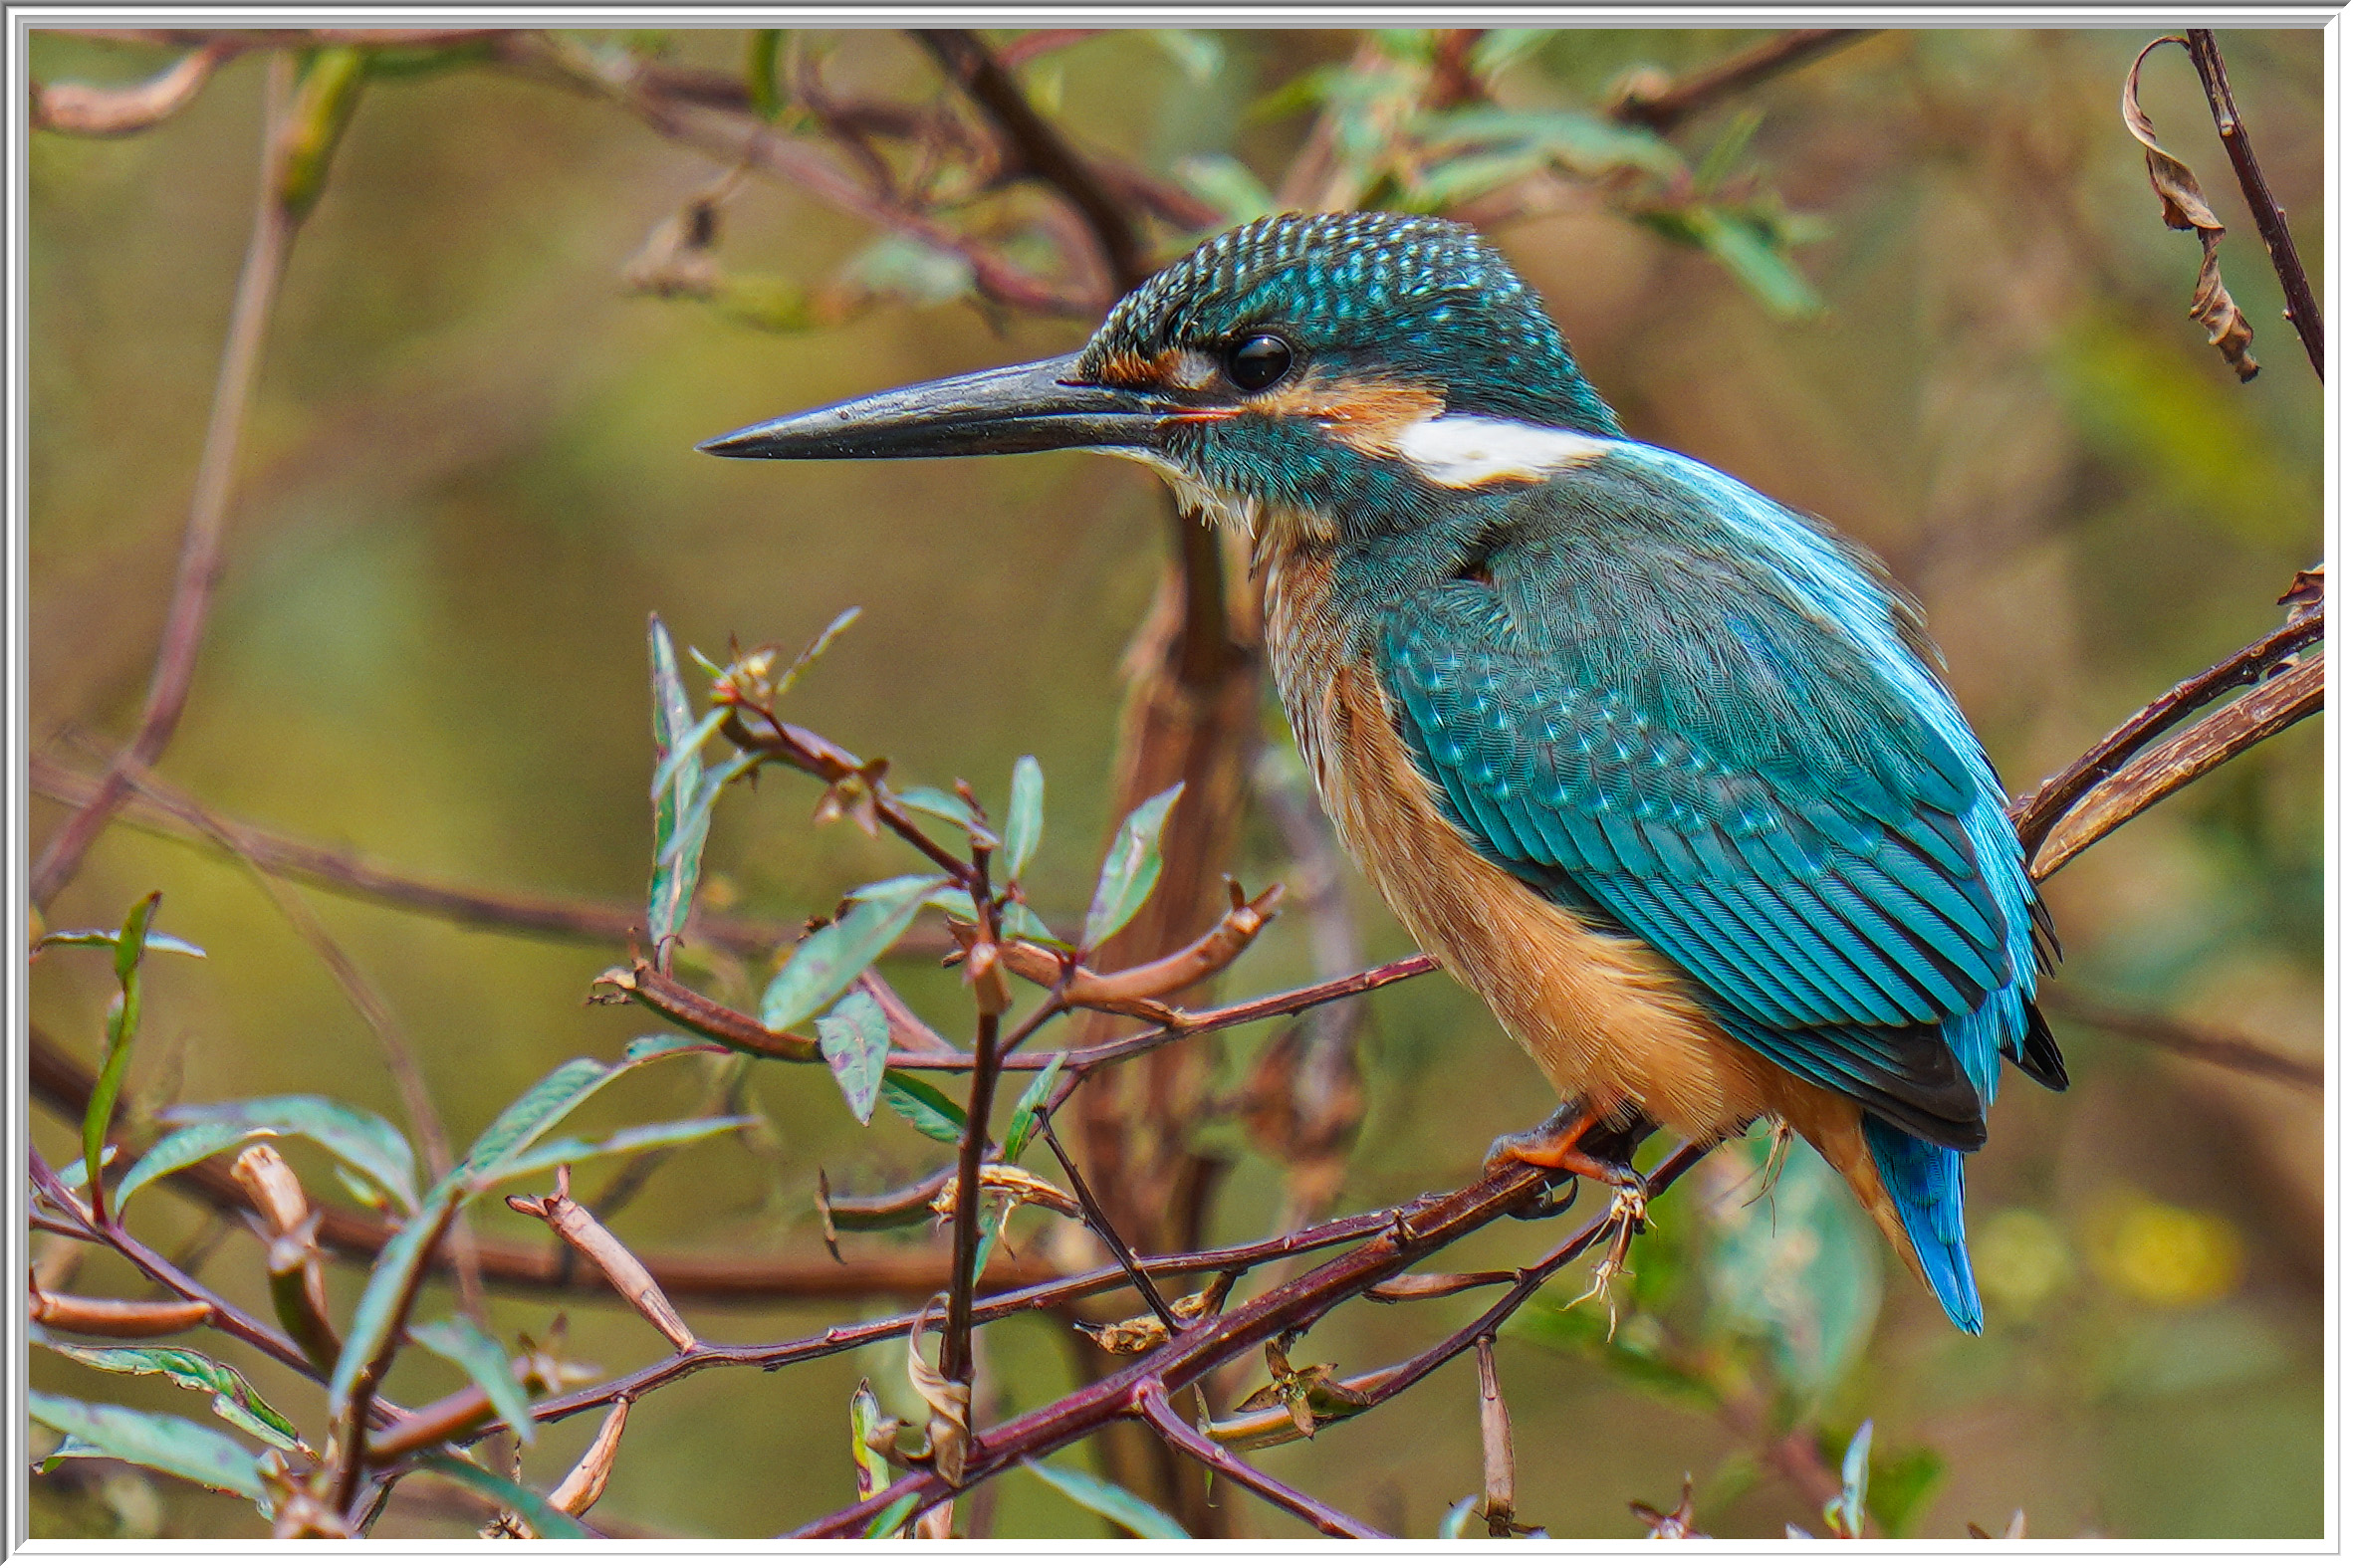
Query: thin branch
<point x="1662" y="108"/>
<point x="983" y="969"/>
<point x="2237" y="726"/>
<point x="2304" y="311"/>
<point x="1100" y="1223"/>
<point x="1416" y="1231"/>
<point x="1041" y="148"/>
<point x="2211" y="1046"/>
<point x="2036" y="815"/>
<point x="274" y="227"/>
<point x="79" y="108"/>
<point x="170" y="814"/>
<point x="1151" y="1404"/>
<point x="376" y="1013"/>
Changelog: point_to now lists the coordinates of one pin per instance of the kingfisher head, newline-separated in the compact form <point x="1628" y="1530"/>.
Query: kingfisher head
<point x="1359" y="366"/>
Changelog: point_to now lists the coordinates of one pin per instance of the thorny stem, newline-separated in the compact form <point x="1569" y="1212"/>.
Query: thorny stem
<point x="174" y="673"/>
<point x="2303" y="310"/>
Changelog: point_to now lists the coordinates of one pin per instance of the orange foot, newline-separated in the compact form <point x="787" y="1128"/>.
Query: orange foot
<point x="1554" y="1145"/>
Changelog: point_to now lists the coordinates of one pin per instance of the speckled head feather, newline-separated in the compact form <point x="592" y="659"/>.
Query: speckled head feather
<point x="1421" y="299"/>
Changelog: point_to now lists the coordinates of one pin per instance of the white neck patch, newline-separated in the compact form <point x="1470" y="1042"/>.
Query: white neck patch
<point x="1460" y="451"/>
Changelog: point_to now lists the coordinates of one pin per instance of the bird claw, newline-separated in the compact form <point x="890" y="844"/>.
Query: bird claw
<point x="1548" y="1202"/>
<point x="1629" y="1217"/>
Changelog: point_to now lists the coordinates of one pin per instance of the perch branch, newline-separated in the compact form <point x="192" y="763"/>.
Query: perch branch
<point x="1662" y="108"/>
<point x="2304" y="311"/>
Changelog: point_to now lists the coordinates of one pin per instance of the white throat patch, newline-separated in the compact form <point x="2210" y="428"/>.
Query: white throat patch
<point x="1460" y="451"/>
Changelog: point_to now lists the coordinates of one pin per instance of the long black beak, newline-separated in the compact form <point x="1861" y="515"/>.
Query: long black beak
<point x="1037" y="407"/>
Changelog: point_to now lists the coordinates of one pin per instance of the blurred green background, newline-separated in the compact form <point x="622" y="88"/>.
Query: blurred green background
<point x="469" y="477"/>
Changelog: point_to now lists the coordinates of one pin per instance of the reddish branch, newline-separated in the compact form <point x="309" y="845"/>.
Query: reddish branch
<point x="1664" y="108"/>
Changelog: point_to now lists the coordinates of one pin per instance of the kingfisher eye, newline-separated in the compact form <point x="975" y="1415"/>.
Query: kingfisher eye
<point x="1257" y="361"/>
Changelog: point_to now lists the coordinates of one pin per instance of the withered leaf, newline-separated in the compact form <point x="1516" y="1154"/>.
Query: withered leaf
<point x="2183" y="206"/>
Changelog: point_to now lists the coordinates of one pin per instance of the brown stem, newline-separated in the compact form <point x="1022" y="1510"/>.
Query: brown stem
<point x="2036" y="815"/>
<point x="1041" y="149"/>
<point x="1151" y="1404"/>
<point x="2237" y="726"/>
<point x="173" y="815"/>
<point x="208" y="512"/>
<point x="1662" y="108"/>
<point x="2303" y="310"/>
<point x="965" y="1225"/>
<point x="2207" y="1045"/>
<point x="1100" y="1223"/>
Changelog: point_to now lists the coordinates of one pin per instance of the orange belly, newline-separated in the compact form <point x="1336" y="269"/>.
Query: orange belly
<point x="1604" y="1015"/>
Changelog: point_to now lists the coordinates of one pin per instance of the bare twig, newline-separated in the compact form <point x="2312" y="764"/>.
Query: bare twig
<point x="173" y="815"/>
<point x="80" y="110"/>
<point x="981" y="965"/>
<point x="274" y="226"/>
<point x="2303" y="310"/>
<point x="2211" y="1046"/>
<point x="2036" y="815"/>
<point x="2238" y="724"/>
<point x="1151" y="1403"/>
<point x="1100" y="1223"/>
<point x="1664" y="108"/>
<point x="1041" y="149"/>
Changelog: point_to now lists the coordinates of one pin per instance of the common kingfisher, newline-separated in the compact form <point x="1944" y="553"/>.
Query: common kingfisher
<point x="1661" y="768"/>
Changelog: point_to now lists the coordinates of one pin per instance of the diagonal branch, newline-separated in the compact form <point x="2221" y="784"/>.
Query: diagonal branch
<point x="1662" y="108"/>
<point x="174" y="814"/>
<point x="1151" y="1404"/>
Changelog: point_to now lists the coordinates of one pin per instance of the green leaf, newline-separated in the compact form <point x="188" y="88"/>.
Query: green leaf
<point x="77" y="1176"/>
<point x="1458" y="1519"/>
<point x="888" y="1522"/>
<point x="1115" y="1502"/>
<point x="157" y="942"/>
<point x="686" y="754"/>
<point x="390" y="1284"/>
<point x="528" y="1118"/>
<point x="939" y="804"/>
<point x="695" y="824"/>
<point x="1025" y="817"/>
<point x="867" y="1460"/>
<point x="233" y="1398"/>
<point x="1201" y="55"/>
<point x="1901" y="1483"/>
<point x="170" y="1444"/>
<point x="130" y="943"/>
<point x="995" y="1212"/>
<point x="361" y="1139"/>
<point x="486" y="1361"/>
<point x="934" y="1115"/>
<point x="832" y="957"/>
<point x="1844" y="1512"/>
<point x="1747" y="249"/>
<point x="1020" y="920"/>
<point x="1129" y="870"/>
<point x="1225" y="183"/>
<point x="814" y="651"/>
<point x="1499" y="48"/>
<point x="652" y="1047"/>
<point x="1585" y="144"/>
<point x="954" y="900"/>
<point x="678" y="780"/>
<point x="854" y="1039"/>
<point x="547" y="1522"/>
<point x="629" y="1140"/>
<point x="759" y="71"/>
<point x="176" y="1150"/>
<point x="1023" y="1125"/>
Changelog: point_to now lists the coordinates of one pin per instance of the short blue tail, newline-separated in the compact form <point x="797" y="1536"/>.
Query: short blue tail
<point x="1925" y="1182"/>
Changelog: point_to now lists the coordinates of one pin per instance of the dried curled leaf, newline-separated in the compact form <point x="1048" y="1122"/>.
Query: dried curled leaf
<point x="1133" y="1336"/>
<point x="1013" y="1184"/>
<point x="2183" y="206"/>
<point x="950" y="1426"/>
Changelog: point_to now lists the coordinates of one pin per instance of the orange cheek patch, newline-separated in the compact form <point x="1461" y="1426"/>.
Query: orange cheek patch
<point x="1367" y="413"/>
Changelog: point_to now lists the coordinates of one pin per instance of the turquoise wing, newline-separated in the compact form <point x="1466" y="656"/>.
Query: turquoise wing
<point x="1665" y="731"/>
